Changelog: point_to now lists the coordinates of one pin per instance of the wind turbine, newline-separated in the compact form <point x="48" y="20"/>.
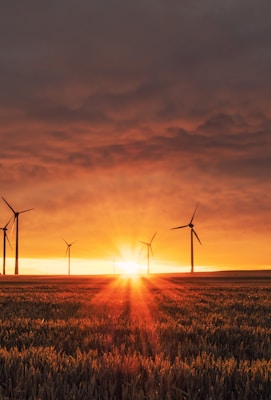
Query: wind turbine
<point x="193" y="232"/>
<point x="149" y="248"/>
<point x="5" y="237"/>
<point x="16" y="218"/>
<point x="68" y="252"/>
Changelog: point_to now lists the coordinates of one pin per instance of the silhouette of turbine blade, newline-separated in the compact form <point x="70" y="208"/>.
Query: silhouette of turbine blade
<point x="153" y="237"/>
<point x="7" y="223"/>
<point x="12" y="226"/>
<point x="65" y="241"/>
<point x="194" y="214"/>
<point x="180" y="227"/>
<point x="29" y="209"/>
<point x="140" y="241"/>
<point x="141" y="249"/>
<point x="9" y="242"/>
<point x="195" y="233"/>
<point x="151" y="250"/>
<point x="12" y="209"/>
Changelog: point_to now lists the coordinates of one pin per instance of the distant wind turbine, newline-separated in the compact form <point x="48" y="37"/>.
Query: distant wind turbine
<point x="16" y="219"/>
<point x="68" y="252"/>
<point x="5" y="238"/>
<point x="193" y="232"/>
<point x="149" y="249"/>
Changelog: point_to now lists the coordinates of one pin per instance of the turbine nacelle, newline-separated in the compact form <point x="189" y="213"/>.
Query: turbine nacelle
<point x="5" y="228"/>
<point x="16" y="213"/>
<point x="69" y="244"/>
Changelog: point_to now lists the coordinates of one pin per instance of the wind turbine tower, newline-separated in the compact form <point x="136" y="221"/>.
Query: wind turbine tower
<point x="192" y="233"/>
<point x="5" y="238"/>
<point x="149" y="249"/>
<point x="16" y="220"/>
<point x="68" y="252"/>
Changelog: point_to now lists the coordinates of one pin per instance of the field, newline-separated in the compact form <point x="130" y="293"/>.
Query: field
<point x="158" y="337"/>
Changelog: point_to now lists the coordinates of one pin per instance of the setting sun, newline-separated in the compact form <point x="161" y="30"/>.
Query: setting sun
<point x="128" y="267"/>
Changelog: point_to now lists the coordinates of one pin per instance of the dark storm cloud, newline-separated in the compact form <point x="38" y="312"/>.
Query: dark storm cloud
<point x="111" y="48"/>
<point x="224" y="145"/>
<point x="228" y="153"/>
<point x="102" y="84"/>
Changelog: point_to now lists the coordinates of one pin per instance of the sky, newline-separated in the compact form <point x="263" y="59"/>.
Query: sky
<point x="118" y="118"/>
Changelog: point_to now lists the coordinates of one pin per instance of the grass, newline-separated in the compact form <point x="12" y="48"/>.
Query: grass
<point x="163" y="337"/>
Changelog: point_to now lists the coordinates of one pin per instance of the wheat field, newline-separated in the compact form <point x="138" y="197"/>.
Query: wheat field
<point x="155" y="337"/>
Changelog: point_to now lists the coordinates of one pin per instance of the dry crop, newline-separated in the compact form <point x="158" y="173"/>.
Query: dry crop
<point x="158" y="337"/>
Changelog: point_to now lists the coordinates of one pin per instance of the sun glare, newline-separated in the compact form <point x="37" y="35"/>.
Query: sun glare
<point x="128" y="267"/>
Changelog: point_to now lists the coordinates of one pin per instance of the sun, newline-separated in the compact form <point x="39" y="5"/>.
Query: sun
<point x="128" y="267"/>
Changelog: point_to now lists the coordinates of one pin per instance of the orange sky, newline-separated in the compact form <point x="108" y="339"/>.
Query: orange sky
<point x="117" y="119"/>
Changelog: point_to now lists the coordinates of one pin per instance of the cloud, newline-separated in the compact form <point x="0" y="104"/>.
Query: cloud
<point x="224" y="144"/>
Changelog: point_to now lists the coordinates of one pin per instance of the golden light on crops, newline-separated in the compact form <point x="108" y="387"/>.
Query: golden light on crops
<point x="134" y="330"/>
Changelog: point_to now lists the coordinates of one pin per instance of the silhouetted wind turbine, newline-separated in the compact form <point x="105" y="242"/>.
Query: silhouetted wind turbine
<point x="68" y="251"/>
<point x="193" y="232"/>
<point x="149" y="248"/>
<point x="16" y="218"/>
<point x="5" y="238"/>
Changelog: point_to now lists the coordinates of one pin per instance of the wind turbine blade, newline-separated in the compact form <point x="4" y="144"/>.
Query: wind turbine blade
<point x="151" y="251"/>
<point x="141" y="249"/>
<point x="29" y="209"/>
<point x="9" y="205"/>
<point x="153" y="237"/>
<point x="195" y="233"/>
<point x="180" y="227"/>
<point x="66" y="251"/>
<point x="7" y="223"/>
<point x="9" y="242"/>
<point x="73" y="242"/>
<point x="194" y="214"/>
<point x="12" y="226"/>
<point x="65" y="242"/>
<point x="143" y="242"/>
